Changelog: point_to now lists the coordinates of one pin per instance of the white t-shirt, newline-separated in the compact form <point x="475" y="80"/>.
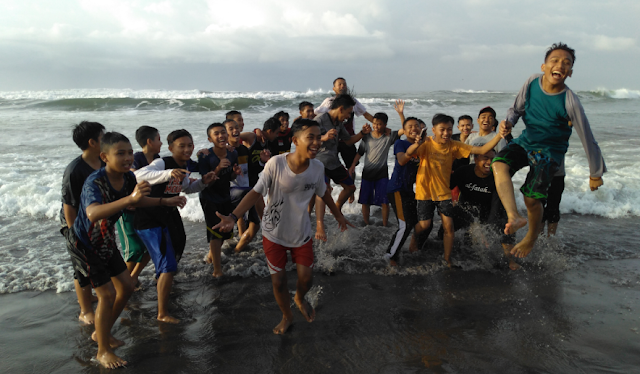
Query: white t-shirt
<point x="358" y="109"/>
<point x="286" y="220"/>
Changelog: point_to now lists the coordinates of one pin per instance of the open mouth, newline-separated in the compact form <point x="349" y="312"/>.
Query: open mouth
<point x="556" y="74"/>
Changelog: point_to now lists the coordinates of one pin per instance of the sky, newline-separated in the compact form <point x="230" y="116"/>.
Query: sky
<point x="254" y="45"/>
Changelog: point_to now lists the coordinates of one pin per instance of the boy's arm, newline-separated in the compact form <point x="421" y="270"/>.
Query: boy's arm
<point x="248" y="138"/>
<point x="399" y="107"/>
<point x="337" y="214"/>
<point x="154" y="173"/>
<point x="356" y="159"/>
<point x="517" y="109"/>
<point x="487" y="147"/>
<point x="580" y="123"/>
<point x="352" y="140"/>
<point x="227" y="222"/>
<point x="97" y="211"/>
<point x="413" y="149"/>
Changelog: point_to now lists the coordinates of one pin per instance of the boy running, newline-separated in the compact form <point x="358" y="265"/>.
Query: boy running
<point x="290" y="180"/>
<point x="105" y="194"/>
<point x="549" y="110"/>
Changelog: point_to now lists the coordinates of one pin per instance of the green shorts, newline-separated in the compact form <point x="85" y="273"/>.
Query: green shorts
<point x="132" y="247"/>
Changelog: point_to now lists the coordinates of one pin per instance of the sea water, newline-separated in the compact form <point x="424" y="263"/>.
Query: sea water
<point x="36" y="146"/>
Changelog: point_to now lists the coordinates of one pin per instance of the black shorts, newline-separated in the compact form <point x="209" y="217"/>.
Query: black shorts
<point x="76" y="260"/>
<point x="209" y="208"/>
<point x="89" y="264"/>
<point x="339" y="175"/>
<point x="541" y="172"/>
<point x="237" y="194"/>
<point x="348" y="153"/>
<point x="552" y="206"/>
<point x="427" y="207"/>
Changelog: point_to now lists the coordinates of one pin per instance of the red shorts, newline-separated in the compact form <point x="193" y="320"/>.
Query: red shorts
<point x="277" y="255"/>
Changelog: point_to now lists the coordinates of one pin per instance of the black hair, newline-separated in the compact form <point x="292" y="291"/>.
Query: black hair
<point x="177" y="134"/>
<point x="143" y="133"/>
<point x="335" y="80"/>
<point x="564" y="47"/>
<point x="85" y="131"/>
<point x="421" y="122"/>
<point x="343" y="101"/>
<point x="465" y="116"/>
<point x="281" y="113"/>
<point x="232" y="113"/>
<point x="304" y="104"/>
<point x="381" y="116"/>
<point x="302" y="124"/>
<point x="224" y="123"/>
<point x="409" y="119"/>
<point x="215" y="124"/>
<point x="441" y="118"/>
<point x="111" y="138"/>
<point x="271" y="124"/>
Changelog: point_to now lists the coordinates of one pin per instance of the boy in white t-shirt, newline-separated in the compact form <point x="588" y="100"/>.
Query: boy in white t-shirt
<point x="290" y="180"/>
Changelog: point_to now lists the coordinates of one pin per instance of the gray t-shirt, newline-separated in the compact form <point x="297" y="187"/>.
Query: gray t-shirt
<point x="328" y="153"/>
<point x="377" y="152"/>
<point x="476" y="140"/>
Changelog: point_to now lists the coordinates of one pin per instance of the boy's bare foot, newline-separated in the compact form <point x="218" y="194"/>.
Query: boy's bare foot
<point x="113" y="342"/>
<point x="307" y="310"/>
<point x="513" y="265"/>
<point x="168" y="319"/>
<point x="87" y="318"/>
<point x="393" y="263"/>
<point x="320" y="233"/>
<point x="512" y="226"/>
<point x="110" y="361"/>
<point x="523" y="248"/>
<point x="447" y="262"/>
<point x="282" y="326"/>
<point x="217" y="274"/>
<point x="209" y="258"/>
<point x="352" y="198"/>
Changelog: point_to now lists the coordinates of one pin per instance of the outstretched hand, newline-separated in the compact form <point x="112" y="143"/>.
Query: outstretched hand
<point x="209" y="177"/>
<point x="399" y="106"/>
<point x="141" y="190"/>
<point x="366" y="128"/>
<point x="226" y="223"/>
<point x="343" y="223"/>
<point x="505" y="128"/>
<point x="179" y="173"/>
<point x="179" y="201"/>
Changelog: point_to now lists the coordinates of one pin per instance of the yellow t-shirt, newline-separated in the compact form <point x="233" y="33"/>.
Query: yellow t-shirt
<point x="434" y="172"/>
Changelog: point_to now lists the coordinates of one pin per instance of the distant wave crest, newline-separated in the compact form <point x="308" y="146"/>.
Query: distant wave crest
<point x="620" y="93"/>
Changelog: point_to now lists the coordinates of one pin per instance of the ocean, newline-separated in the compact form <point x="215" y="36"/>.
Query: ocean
<point x="600" y="226"/>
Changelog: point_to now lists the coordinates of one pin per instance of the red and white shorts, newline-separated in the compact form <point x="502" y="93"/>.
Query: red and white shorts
<point x="277" y="255"/>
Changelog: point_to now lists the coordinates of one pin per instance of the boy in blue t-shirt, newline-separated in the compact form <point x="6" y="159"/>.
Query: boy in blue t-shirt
<point x="550" y="111"/>
<point x="105" y="194"/>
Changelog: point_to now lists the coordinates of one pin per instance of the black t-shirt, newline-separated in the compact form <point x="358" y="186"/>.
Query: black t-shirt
<point x="155" y="216"/>
<point x="476" y="193"/>
<point x="72" y="181"/>
<point x="218" y="191"/>
<point x="281" y="144"/>
<point x="254" y="162"/>
<point x="140" y="160"/>
<point x="461" y="161"/>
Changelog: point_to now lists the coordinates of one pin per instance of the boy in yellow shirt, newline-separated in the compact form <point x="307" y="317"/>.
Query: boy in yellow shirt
<point x="434" y="172"/>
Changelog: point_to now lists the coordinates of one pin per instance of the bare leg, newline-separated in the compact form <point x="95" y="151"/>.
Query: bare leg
<point x="504" y="185"/>
<point x="447" y="239"/>
<point x="552" y="228"/>
<point x="366" y="211"/>
<point x="321" y="234"/>
<point x="281" y="293"/>
<point x="139" y="267"/>
<point x="106" y="300"/>
<point x="385" y="215"/>
<point x="344" y="195"/>
<point x="85" y="300"/>
<point x="506" y="248"/>
<point x="305" y="280"/>
<point x="534" y="211"/>
<point x="419" y="227"/>
<point x="215" y="249"/>
<point x="165" y="281"/>
<point x="241" y="226"/>
<point x="247" y="237"/>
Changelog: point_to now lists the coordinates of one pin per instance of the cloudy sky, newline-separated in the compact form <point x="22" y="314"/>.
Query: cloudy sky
<point x="378" y="45"/>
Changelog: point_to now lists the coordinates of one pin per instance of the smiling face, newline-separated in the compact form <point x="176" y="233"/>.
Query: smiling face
<point x="239" y="120"/>
<point x="486" y="121"/>
<point x="442" y="132"/>
<point x="181" y="149"/>
<point x="483" y="163"/>
<point x="119" y="157"/>
<point x="412" y="129"/>
<point x="378" y="126"/>
<point x="344" y="113"/>
<point x="340" y="87"/>
<point x="218" y="136"/>
<point x="465" y="126"/>
<point x="307" y="112"/>
<point x="557" y="68"/>
<point x="233" y="131"/>
<point x="308" y="141"/>
<point x="284" y="123"/>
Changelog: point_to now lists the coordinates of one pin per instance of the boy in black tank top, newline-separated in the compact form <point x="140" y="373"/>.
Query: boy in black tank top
<point x="160" y="227"/>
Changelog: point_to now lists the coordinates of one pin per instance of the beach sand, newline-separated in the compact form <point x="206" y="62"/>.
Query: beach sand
<point x="581" y="320"/>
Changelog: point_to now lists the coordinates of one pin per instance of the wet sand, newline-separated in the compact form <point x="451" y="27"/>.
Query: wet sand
<point x="529" y="321"/>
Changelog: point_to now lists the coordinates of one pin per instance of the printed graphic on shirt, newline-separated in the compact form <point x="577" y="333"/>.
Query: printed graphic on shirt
<point x="271" y="217"/>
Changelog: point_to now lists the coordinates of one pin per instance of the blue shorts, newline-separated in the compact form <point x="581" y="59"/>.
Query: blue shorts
<point x="158" y="243"/>
<point x="373" y="192"/>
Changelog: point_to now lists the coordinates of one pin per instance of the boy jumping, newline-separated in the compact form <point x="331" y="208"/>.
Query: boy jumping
<point x="290" y="180"/>
<point x="549" y="110"/>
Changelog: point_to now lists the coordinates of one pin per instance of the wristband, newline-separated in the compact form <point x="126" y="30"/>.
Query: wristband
<point x="233" y="216"/>
<point x="595" y="179"/>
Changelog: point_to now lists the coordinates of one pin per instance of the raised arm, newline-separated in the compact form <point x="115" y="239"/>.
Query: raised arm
<point x="487" y="147"/>
<point x="355" y="138"/>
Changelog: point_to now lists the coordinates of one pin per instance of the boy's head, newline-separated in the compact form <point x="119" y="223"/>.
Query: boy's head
<point x="306" y="137"/>
<point x="306" y="110"/>
<point x="180" y="145"/>
<point x="236" y="116"/>
<point x="422" y="124"/>
<point x="411" y="128"/>
<point x="486" y="119"/>
<point x="149" y="137"/>
<point x="283" y="118"/>
<point x="217" y="134"/>
<point x="442" y="127"/>
<point x="87" y="134"/>
<point x="483" y="163"/>
<point x="271" y="128"/>
<point x="379" y="123"/>
<point x="558" y="63"/>
<point x="116" y="152"/>
<point x="465" y="124"/>
<point x="343" y="106"/>
<point x="340" y="86"/>
<point x="233" y="129"/>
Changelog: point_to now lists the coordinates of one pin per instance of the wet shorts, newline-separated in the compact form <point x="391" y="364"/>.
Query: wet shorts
<point x="542" y="169"/>
<point x="158" y="243"/>
<point x="552" y="206"/>
<point x="373" y="192"/>
<point x="237" y="194"/>
<point x="132" y="247"/>
<point x="98" y="270"/>
<point x="76" y="259"/>
<point x="212" y="219"/>
<point x="277" y="255"/>
<point x="427" y="207"/>
<point x="339" y="175"/>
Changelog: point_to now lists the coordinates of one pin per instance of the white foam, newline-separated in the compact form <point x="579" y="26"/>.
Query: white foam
<point x="620" y="93"/>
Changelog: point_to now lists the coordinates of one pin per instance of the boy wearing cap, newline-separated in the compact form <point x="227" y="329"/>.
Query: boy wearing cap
<point x="486" y="120"/>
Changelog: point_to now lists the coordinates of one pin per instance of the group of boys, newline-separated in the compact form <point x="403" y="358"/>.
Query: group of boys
<point x="109" y="186"/>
